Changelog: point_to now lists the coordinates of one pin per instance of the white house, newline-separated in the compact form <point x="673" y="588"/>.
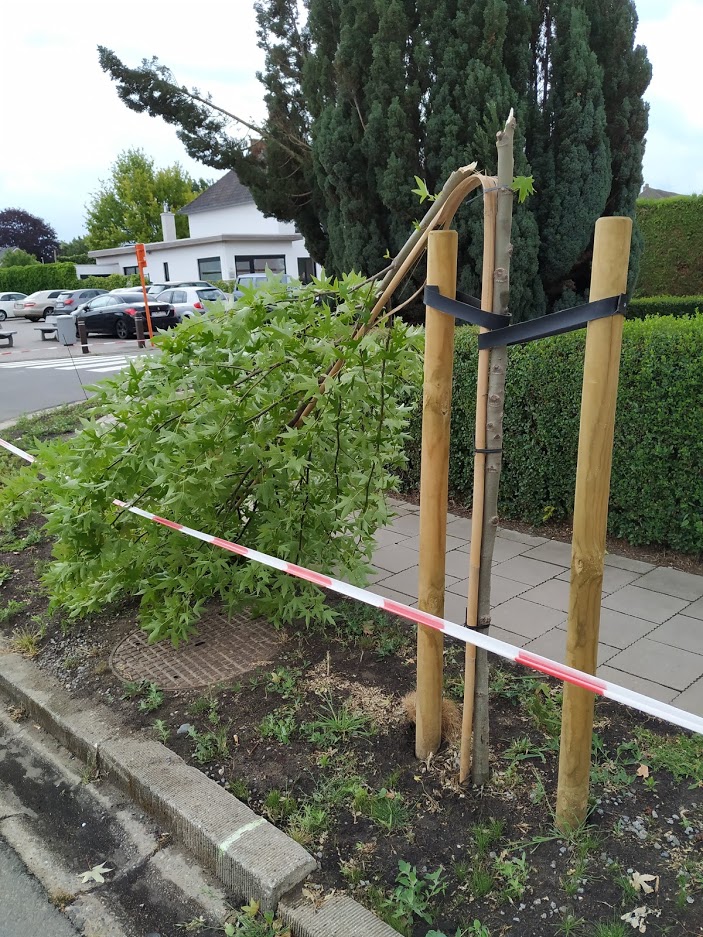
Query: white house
<point x="229" y="236"/>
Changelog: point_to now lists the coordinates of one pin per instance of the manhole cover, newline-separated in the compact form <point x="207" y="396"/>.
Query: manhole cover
<point x="221" y="650"/>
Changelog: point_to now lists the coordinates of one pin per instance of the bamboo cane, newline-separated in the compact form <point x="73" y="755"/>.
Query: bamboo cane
<point x="489" y="228"/>
<point x="611" y="252"/>
<point x="434" y="478"/>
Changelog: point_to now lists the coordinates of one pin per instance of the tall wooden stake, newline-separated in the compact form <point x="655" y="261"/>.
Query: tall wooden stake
<point x="434" y="482"/>
<point x="600" y="387"/>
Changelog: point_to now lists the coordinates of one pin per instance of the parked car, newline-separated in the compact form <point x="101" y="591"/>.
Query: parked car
<point x="69" y="300"/>
<point x="247" y="280"/>
<point x="189" y="301"/>
<point x="115" y="315"/>
<point x="37" y="305"/>
<point x="7" y="304"/>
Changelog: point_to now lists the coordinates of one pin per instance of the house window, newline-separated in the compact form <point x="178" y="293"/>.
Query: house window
<point x="306" y="269"/>
<point x="166" y="276"/>
<point x="276" y="263"/>
<point x="128" y="271"/>
<point x="210" y="267"/>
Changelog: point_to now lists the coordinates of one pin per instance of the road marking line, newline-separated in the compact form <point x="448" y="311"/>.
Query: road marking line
<point x="231" y="840"/>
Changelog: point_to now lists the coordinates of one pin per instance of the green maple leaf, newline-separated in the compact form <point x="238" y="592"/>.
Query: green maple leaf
<point x="422" y="191"/>
<point x="96" y="874"/>
<point x="524" y="186"/>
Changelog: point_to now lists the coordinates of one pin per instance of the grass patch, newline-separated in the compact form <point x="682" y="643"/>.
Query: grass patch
<point x="681" y="755"/>
<point x="11" y="610"/>
<point x="26" y="640"/>
<point x="56" y="422"/>
<point x="335" y="725"/>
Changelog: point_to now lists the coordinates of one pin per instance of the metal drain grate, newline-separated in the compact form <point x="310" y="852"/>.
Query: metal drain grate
<point x="222" y="650"/>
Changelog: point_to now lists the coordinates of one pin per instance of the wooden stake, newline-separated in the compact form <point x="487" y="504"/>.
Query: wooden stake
<point x="434" y="483"/>
<point x="600" y="387"/>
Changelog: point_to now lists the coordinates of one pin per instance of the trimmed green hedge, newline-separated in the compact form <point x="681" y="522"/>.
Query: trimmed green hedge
<point x="672" y="260"/>
<point x="657" y="483"/>
<point x="57" y="276"/>
<point x="664" y="306"/>
<point x="39" y="277"/>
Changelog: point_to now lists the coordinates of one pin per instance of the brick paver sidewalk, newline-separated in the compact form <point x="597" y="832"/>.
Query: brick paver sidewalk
<point x="651" y="630"/>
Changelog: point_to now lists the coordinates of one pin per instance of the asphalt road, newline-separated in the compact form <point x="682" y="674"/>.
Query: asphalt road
<point x="24" y="907"/>
<point x="30" y="385"/>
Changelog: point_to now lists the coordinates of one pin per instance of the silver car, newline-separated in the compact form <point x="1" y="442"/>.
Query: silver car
<point x="189" y="301"/>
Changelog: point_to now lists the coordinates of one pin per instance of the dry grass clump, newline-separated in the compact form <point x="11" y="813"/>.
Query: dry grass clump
<point x="451" y="717"/>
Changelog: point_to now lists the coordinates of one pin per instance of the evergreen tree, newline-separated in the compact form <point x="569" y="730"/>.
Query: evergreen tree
<point x="364" y="94"/>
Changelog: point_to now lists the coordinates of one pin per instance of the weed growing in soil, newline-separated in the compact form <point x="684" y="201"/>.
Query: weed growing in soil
<point x="13" y="608"/>
<point x="279" y="806"/>
<point x="279" y="725"/>
<point x="5" y="573"/>
<point x="386" y="809"/>
<point x="13" y="544"/>
<point x="251" y="922"/>
<point x="681" y="755"/>
<point x="333" y="726"/>
<point x="26" y="640"/>
<point x="612" y="929"/>
<point x="152" y="698"/>
<point x="414" y="894"/>
<point x="238" y="788"/>
<point x="307" y="824"/>
<point x="283" y="681"/>
<point x="211" y="745"/>
<point x="511" y="874"/>
<point x="163" y="733"/>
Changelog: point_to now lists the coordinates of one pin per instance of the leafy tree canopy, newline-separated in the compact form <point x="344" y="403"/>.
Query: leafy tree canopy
<point x="363" y="96"/>
<point x="127" y="207"/>
<point x="17" y="258"/>
<point x="205" y="433"/>
<point x="20" y="229"/>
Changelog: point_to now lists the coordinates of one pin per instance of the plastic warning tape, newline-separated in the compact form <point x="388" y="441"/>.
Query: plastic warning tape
<point x="580" y="678"/>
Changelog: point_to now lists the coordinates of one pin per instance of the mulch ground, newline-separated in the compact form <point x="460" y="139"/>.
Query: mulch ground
<point x="319" y="741"/>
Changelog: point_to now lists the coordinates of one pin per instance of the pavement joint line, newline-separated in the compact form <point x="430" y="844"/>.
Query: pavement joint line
<point x="232" y="839"/>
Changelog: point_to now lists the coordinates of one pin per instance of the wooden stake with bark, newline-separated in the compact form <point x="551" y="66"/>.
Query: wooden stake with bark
<point x="493" y="440"/>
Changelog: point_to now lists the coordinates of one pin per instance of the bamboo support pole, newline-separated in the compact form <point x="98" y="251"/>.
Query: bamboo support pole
<point x="434" y="481"/>
<point x="600" y="386"/>
<point x="467" y="717"/>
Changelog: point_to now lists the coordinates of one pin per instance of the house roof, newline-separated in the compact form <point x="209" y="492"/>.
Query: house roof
<point x="649" y="192"/>
<point x="225" y="193"/>
<point x="107" y="252"/>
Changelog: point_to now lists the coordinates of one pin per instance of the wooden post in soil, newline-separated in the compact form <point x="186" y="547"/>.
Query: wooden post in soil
<point x="601" y="367"/>
<point x="434" y="483"/>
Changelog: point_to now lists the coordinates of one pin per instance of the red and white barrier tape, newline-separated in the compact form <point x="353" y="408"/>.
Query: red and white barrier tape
<point x="605" y="688"/>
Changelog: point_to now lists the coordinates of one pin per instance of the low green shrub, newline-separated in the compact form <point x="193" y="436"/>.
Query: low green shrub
<point x="656" y="492"/>
<point x="664" y="306"/>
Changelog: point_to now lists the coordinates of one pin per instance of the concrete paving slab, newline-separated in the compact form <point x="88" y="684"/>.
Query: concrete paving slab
<point x="613" y="578"/>
<point x="620" y="630"/>
<point x="455" y="607"/>
<point x="507" y="534"/>
<point x="501" y="589"/>
<point x="407" y="582"/>
<point x="638" y="684"/>
<point x="680" y="631"/>
<point x="457" y="564"/>
<point x="553" y="644"/>
<point x="669" y="666"/>
<point x="625" y="562"/>
<point x="459" y="527"/>
<point x="453" y="543"/>
<point x="553" y="551"/>
<point x="395" y="595"/>
<point x="673" y="582"/>
<point x="506" y="549"/>
<point x="407" y="524"/>
<point x="691" y="699"/>
<point x="695" y="610"/>
<point x="643" y="603"/>
<point x="395" y="558"/>
<point x="385" y="537"/>
<point x="378" y="575"/>
<point x="553" y="592"/>
<point x="526" y="618"/>
<point x="532" y="572"/>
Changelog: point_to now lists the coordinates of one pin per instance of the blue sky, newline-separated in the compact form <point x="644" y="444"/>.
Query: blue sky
<point x="66" y="124"/>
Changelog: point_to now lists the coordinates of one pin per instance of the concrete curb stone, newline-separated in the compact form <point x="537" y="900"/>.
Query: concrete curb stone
<point x="250" y="856"/>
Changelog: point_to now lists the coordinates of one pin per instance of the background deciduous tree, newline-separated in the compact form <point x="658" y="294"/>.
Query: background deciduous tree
<point x="18" y="228"/>
<point x="16" y="257"/>
<point x="128" y="205"/>
<point x="362" y="96"/>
